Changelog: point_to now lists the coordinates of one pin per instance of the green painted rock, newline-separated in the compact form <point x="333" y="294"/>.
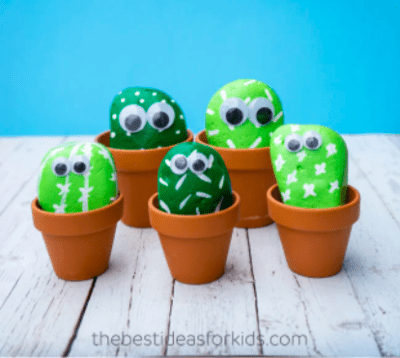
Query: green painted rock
<point x="145" y="118"/>
<point x="77" y="177"/>
<point x="310" y="165"/>
<point x="243" y="114"/>
<point x="193" y="179"/>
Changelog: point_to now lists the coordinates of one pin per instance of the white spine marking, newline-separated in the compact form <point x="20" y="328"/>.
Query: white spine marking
<point x="180" y="182"/>
<point x="221" y="182"/>
<point x="210" y="111"/>
<point x="256" y="142"/>
<point x="87" y="151"/>
<point x="279" y="115"/>
<point x="214" y="132"/>
<point x="164" y="206"/>
<point x="231" y="144"/>
<point x="203" y="195"/>
<point x="249" y="82"/>
<point x="163" y="182"/>
<point x="204" y="177"/>
<point x="183" y="203"/>
<point x="210" y="161"/>
<point x="268" y="94"/>
<point x="247" y="100"/>
<point x="223" y="95"/>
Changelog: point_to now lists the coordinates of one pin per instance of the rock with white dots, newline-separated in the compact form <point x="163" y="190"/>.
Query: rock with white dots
<point x="193" y="180"/>
<point x="243" y="114"/>
<point x="145" y="118"/>
<point x="77" y="177"/>
<point x="310" y="165"/>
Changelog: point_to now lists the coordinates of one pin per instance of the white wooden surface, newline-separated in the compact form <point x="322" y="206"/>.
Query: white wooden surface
<point x="355" y="313"/>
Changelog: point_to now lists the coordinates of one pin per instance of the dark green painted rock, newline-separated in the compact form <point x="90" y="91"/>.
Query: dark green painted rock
<point x="145" y="118"/>
<point x="193" y="180"/>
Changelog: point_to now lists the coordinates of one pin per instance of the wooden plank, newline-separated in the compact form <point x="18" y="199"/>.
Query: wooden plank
<point x="38" y="311"/>
<point x="224" y="307"/>
<point x="304" y="316"/>
<point x="20" y="164"/>
<point x="8" y="145"/>
<point x="379" y="160"/>
<point x="372" y="261"/>
<point x="131" y="299"/>
<point x="395" y="139"/>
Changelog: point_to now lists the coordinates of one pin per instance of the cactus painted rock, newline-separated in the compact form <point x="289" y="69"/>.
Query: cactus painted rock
<point x="145" y="118"/>
<point x="193" y="179"/>
<point x="310" y="165"/>
<point x="76" y="177"/>
<point x="243" y="114"/>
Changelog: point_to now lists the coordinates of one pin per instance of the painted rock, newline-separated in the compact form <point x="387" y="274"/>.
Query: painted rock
<point x="193" y="179"/>
<point x="76" y="177"/>
<point x="145" y="118"/>
<point x="310" y="165"/>
<point x="243" y="114"/>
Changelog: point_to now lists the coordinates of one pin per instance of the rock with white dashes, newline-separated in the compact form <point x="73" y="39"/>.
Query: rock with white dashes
<point x="145" y="118"/>
<point x="310" y="165"/>
<point x="77" y="177"/>
<point x="193" y="180"/>
<point x="243" y="114"/>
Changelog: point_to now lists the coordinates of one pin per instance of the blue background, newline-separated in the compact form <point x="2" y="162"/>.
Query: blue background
<point x="334" y="63"/>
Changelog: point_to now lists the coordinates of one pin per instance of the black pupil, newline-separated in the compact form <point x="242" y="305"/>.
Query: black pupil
<point x="61" y="169"/>
<point x="294" y="145"/>
<point x="180" y="163"/>
<point x="133" y="122"/>
<point x="79" y="167"/>
<point x="312" y="142"/>
<point x="199" y="165"/>
<point x="234" y="116"/>
<point x="264" y="115"/>
<point x="160" y="120"/>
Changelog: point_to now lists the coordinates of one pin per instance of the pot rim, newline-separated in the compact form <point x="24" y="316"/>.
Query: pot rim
<point x="194" y="226"/>
<point x="241" y="159"/>
<point x="136" y="160"/>
<point x="77" y="224"/>
<point x="314" y="219"/>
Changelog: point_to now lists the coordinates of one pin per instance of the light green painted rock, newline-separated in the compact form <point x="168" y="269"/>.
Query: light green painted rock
<point x="76" y="177"/>
<point x="145" y="118"/>
<point x="310" y="165"/>
<point x="193" y="180"/>
<point x="243" y="114"/>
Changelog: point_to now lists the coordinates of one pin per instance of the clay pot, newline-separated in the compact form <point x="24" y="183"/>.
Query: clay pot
<point x="195" y="246"/>
<point x="79" y="244"/>
<point x="137" y="177"/>
<point x="314" y="240"/>
<point x="251" y="175"/>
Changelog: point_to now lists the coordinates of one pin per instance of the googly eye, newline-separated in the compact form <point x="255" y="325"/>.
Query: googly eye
<point x="161" y="116"/>
<point x="61" y="167"/>
<point x="80" y="165"/>
<point x="198" y="162"/>
<point x="133" y="118"/>
<point x="293" y="142"/>
<point x="234" y="111"/>
<point x="262" y="111"/>
<point x="312" y="140"/>
<point x="179" y="164"/>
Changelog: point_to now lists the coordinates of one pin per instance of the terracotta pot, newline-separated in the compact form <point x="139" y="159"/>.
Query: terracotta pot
<point x="79" y="245"/>
<point x="314" y="240"/>
<point x="195" y="246"/>
<point x="251" y="175"/>
<point x="137" y="178"/>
